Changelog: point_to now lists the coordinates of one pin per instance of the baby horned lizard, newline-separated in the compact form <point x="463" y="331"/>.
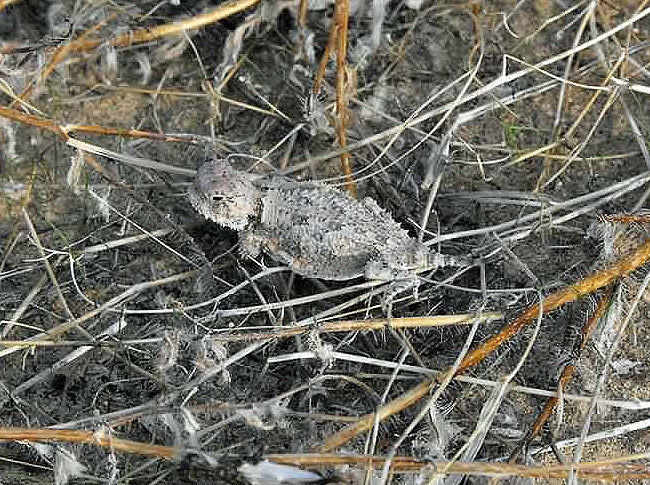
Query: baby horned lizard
<point x="316" y="230"/>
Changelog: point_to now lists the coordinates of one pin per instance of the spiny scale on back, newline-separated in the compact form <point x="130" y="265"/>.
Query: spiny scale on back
<point x="317" y="230"/>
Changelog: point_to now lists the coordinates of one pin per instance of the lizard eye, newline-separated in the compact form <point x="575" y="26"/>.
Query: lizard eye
<point x="218" y="198"/>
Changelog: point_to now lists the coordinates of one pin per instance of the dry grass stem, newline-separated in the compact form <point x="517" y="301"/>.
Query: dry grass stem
<point x="142" y="343"/>
<point x="605" y="373"/>
<point x="63" y="131"/>
<point x="8" y="325"/>
<point x="112" y="304"/>
<point x="602" y="471"/>
<point x="363" y="325"/>
<point x="569" y="294"/>
<point x="563" y="90"/>
<point x="46" y="263"/>
<point x="59" y="56"/>
<point x="342" y="15"/>
<point x="605" y="471"/>
<point x="325" y="59"/>
<point x="98" y="438"/>
<point x="194" y="22"/>
<point x="567" y="372"/>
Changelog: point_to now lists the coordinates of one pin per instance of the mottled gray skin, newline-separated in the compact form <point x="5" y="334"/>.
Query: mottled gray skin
<point x="316" y="230"/>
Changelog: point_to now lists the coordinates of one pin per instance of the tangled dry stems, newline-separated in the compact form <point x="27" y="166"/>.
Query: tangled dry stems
<point x="21" y="110"/>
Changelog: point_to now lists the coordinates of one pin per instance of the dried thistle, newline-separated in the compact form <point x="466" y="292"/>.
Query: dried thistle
<point x="265" y="416"/>
<point x="210" y="354"/>
<point x="169" y="351"/>
<point x="74" y="172"/>
<point x="620" y="234"/>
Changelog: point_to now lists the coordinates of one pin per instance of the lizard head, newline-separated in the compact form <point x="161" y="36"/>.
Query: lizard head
<point x="225" y="195"/>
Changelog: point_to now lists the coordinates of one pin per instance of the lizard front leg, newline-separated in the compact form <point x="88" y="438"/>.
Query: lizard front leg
<point x="252" y="243"/>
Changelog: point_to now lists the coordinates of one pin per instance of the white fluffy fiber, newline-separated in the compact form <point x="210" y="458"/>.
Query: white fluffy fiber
<point x="269" y="473"/>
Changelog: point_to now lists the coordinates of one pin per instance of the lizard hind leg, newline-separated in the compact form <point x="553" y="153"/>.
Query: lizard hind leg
<point x="251" y="243"/>
<point x="400" y="278"/>
<point x="394" y="289"/>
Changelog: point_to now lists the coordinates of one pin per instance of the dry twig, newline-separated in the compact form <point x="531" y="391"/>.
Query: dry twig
<point x="342" y="15"/>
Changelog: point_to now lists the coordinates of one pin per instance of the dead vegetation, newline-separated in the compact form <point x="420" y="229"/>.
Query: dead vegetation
<point x="138" y="346"/>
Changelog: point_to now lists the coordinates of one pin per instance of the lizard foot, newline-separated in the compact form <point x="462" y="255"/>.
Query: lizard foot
<point x="394" y="289"/>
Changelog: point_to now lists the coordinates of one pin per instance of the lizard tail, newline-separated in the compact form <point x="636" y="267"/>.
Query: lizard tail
<point x="439" y="260"/>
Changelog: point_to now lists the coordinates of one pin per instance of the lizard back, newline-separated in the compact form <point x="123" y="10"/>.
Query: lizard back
<point x="330" y="234"/>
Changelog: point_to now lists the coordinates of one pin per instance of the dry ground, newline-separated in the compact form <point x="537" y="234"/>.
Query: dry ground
<point x="510" y="132"/>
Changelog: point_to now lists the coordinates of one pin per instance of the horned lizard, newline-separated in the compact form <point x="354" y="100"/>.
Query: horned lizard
<point x="317" y="230"/>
